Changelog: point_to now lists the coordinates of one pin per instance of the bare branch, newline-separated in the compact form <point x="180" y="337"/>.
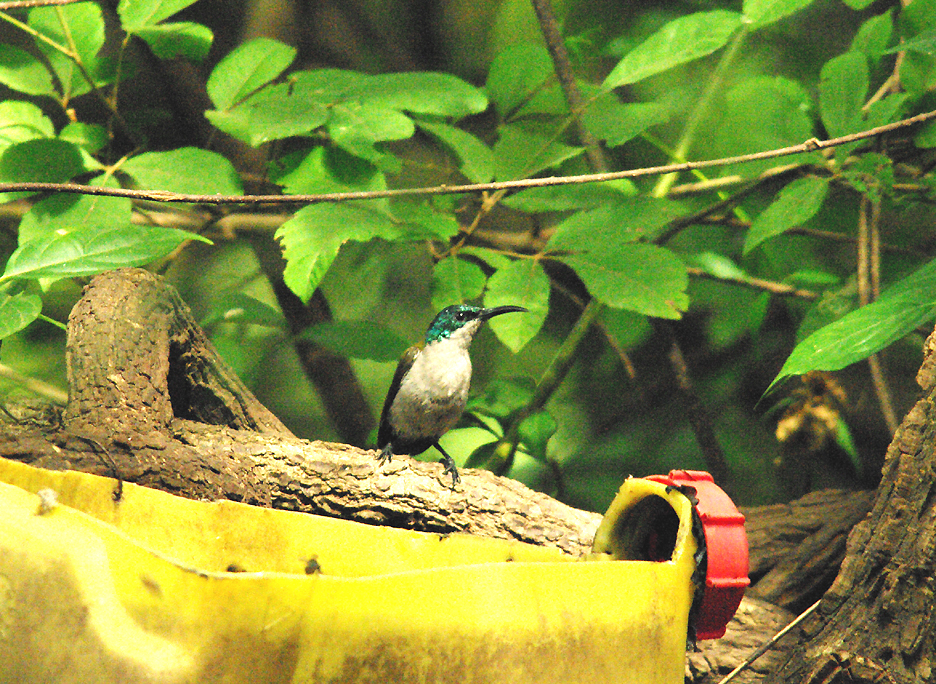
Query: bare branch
<point x="19" y="4"/>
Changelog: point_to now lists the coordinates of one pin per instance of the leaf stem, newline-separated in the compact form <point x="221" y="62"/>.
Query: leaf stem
<point x="700" y="112"/>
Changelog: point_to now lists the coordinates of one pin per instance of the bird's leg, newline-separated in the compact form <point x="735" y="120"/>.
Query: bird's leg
<point x="449" y="464"/>
<point x="385" y="454"/>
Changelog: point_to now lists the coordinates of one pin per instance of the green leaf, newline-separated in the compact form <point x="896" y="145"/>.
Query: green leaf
<point x="419" y="220"/>
<point x="186" y="170"/>
<point x="494" y="260"/>
<point x="23" y="72"/>
<point x="330" y="86"/>
<point x="238" y="307"/>
<point x="626" y="328"/>
<point x="926" y="136"/>
<point x="874" y="35"/>
<point x="760" y="13"/>
<point x="136" y="14"/>
<point x="82" y="23"/>
<point x="567" y="197"/>
<point x="503" y="397"/>
<point x="681" y="40"/>
<point x="17" y="312"/>
<point x="887" y="110"/>
<point x="357" y="339"/>
<point x="329" y="169"/>
<point x="626" y="220"/>
<point x="481" y="456"/>
<point x="177" y="39"/>
<point x="356" y="127"/>
<point x="761" y="113"/>
<point x="844" y="439"/>
<point x="872" y="174"/>
<point x="273" y="113"/>
<point x="858" y="4"/>
<point x="797" y="203"/>
<point x="717" y="265"/>
<point x="924" y="43"/>
<point x="521" y="283"/>
<point x="520" y="153"/>
<point x="456" y="281"/>
<point x="516" y="75"/>
<point x="22" y="121"/>
<point x="535" y="430"/>
<point x="918" y="69"/>
<point x="616" y="123"/>
<point x="477" y="159"/>
<point x="832" y="306"/>
<point x="87" y="251"/>
<point x="89" y="137"/>
<point x="900" y="310"/>
<point x="843" y="89"/>
<point x="312" y="237"/>
<point x="426" y="92"/>
<point x="638" y="277"/>
<point x="64" y="212"/>
<point x="248" y="68"/>
<point x="44" y="161"/>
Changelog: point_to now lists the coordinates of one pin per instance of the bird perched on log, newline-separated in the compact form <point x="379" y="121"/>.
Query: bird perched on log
<point x="430" y="387"/>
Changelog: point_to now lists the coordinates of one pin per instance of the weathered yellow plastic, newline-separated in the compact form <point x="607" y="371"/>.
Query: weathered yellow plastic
<point x="93" y="590"/>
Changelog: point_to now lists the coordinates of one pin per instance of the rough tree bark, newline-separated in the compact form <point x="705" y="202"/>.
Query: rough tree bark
<point x="877" y="623"/>
<point x="151" y="403"/>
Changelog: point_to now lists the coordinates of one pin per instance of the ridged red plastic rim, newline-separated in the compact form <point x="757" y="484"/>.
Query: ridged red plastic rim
<point x="726" y="575"/>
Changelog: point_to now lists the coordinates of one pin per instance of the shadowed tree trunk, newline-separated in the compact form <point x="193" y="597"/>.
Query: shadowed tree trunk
<point x="877" y="623"/>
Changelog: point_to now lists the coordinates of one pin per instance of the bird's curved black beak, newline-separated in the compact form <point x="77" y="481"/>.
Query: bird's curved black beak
<point x="498" y="310"/>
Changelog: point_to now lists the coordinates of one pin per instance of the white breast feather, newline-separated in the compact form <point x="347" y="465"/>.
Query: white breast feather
<point x="436" y="390"/>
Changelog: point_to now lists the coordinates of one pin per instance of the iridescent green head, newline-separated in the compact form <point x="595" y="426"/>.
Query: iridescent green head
<point x="463" y="317"/>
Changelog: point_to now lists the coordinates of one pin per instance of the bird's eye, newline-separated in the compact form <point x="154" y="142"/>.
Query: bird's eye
<point x="461" y="316"/>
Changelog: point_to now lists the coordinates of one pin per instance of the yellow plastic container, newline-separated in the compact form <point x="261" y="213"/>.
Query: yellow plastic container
<point x="155" y="588"/>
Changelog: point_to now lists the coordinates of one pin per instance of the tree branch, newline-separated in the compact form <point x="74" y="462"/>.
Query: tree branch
<point x="810" y="145"/>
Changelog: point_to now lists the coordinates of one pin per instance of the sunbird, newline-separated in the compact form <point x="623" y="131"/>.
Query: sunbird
<point x="429" y="390"/>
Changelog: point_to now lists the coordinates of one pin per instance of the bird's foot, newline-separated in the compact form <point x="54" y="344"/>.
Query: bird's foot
<point x="451" y="469"/>
<point x="385" y="455"/>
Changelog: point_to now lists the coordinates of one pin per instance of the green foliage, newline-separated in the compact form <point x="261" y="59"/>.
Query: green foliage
<point x="680" y="41"/>
<point x="17" y="312"/>
<point x="358" y="340"/>
<point x="186" y="170"/>
<point x="797" y="203"/>
<point x="521" y="283"/>
<point x="657" y="87"/>
<point x="89" y="250"/>
<point x="456" y="281"/>
<point x="167" y="40"/>
<point x="865" y="331"/>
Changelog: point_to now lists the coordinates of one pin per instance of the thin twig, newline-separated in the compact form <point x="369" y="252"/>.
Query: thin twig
<point x="563" y="68"/>
<point x="864" y="260"/>
<point x="43" y="389"/>
<point x="19" y="4"/>
<point x="869" y="285"/>
<point x="773" y="287"/>
<point x="810" y="145"/>
<point x="767" y="646"/>
<point x="699" y="419"/>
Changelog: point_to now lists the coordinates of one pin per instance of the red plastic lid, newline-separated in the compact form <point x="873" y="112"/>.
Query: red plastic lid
<point x="726" y="574"/>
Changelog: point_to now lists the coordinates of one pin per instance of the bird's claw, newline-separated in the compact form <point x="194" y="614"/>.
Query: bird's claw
<point x="451" y="469"/>
<point x="385" y="455"/>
